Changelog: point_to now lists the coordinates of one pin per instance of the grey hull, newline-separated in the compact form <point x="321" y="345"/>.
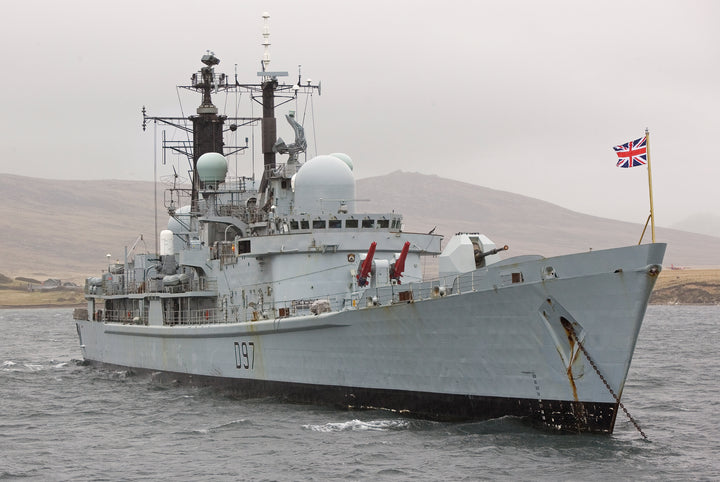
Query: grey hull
<point x="492" y="345"/>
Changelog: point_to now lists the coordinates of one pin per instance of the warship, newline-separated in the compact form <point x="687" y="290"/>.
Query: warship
<point x="282" y="287"/>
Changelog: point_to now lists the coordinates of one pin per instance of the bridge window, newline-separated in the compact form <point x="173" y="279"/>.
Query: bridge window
<point x="383" y="223"/>
<point x="351" y="223"/>
<point x="304" y="224"/>
<point x="243" y="246"/>
<point x="368" y="223"/>
<point x="318" y="224"/>
<point x="335" y="223"/>
<point x="294" y="225"/>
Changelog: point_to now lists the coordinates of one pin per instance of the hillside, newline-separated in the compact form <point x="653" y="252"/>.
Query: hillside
<point x="527" y="225"/>
<point x="65" y="229"/>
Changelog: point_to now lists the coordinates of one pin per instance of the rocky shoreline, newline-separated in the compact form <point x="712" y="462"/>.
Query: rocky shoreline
<point x="687" y="287"/>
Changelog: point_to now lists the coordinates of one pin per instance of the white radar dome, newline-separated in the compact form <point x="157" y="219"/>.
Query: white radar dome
<point x="324" y="184"/>
<point x="180" y="223"/>
<point x="212" y="167"/>
<point x="344" y="158"/>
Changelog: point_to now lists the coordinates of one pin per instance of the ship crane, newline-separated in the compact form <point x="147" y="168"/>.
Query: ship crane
<point x="131" y="252"/>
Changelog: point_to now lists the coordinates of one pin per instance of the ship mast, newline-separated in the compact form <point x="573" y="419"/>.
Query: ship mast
<point x="207" y="125"/>
<point x="271" y="91"/>
<point x="269" y="123"/>
<point x="269" y="84"/>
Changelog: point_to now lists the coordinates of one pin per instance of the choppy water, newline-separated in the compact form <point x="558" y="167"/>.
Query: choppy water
<point x="60" y="420"/>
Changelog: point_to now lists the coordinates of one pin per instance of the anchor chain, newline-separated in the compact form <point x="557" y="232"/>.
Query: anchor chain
<point x="607" y="385"/>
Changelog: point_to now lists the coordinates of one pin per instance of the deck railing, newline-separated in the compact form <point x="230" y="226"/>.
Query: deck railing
<point x="270" y="310"/>
<point x="112" y="288"/>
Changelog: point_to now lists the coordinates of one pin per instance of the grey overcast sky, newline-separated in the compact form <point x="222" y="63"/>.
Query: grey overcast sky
<point x="521" y="96"/>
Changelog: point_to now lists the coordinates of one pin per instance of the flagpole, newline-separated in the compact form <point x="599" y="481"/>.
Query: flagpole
<point x="652" y="212"/>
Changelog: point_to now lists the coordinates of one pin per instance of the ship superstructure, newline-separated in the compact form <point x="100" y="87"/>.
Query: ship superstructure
<point x="282" y="286"/>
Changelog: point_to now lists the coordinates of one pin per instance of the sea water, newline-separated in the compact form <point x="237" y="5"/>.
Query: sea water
<point x="63" y="420"/>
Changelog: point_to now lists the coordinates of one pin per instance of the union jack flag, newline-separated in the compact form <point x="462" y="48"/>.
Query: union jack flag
<point x="633" y="153"/>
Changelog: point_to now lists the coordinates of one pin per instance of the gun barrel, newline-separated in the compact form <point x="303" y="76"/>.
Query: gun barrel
<point x="493" y="251"/>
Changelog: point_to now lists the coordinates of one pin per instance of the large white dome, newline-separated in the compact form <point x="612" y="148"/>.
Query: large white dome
<point x="323" y="184"/>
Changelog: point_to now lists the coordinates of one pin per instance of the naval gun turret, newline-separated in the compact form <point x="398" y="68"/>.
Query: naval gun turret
<point x="467" y="252"/>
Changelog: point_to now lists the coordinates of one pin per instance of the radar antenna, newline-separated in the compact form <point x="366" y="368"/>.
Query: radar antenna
<point x="298" y="146"/>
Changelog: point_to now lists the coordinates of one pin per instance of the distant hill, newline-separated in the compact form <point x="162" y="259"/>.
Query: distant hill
<point x="64" y="229"/>
<point x="704" y="223"/>
<point x="527" y="225"/>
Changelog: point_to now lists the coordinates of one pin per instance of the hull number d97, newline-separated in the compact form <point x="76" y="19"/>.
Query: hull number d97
<point x="245" y="355"/>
